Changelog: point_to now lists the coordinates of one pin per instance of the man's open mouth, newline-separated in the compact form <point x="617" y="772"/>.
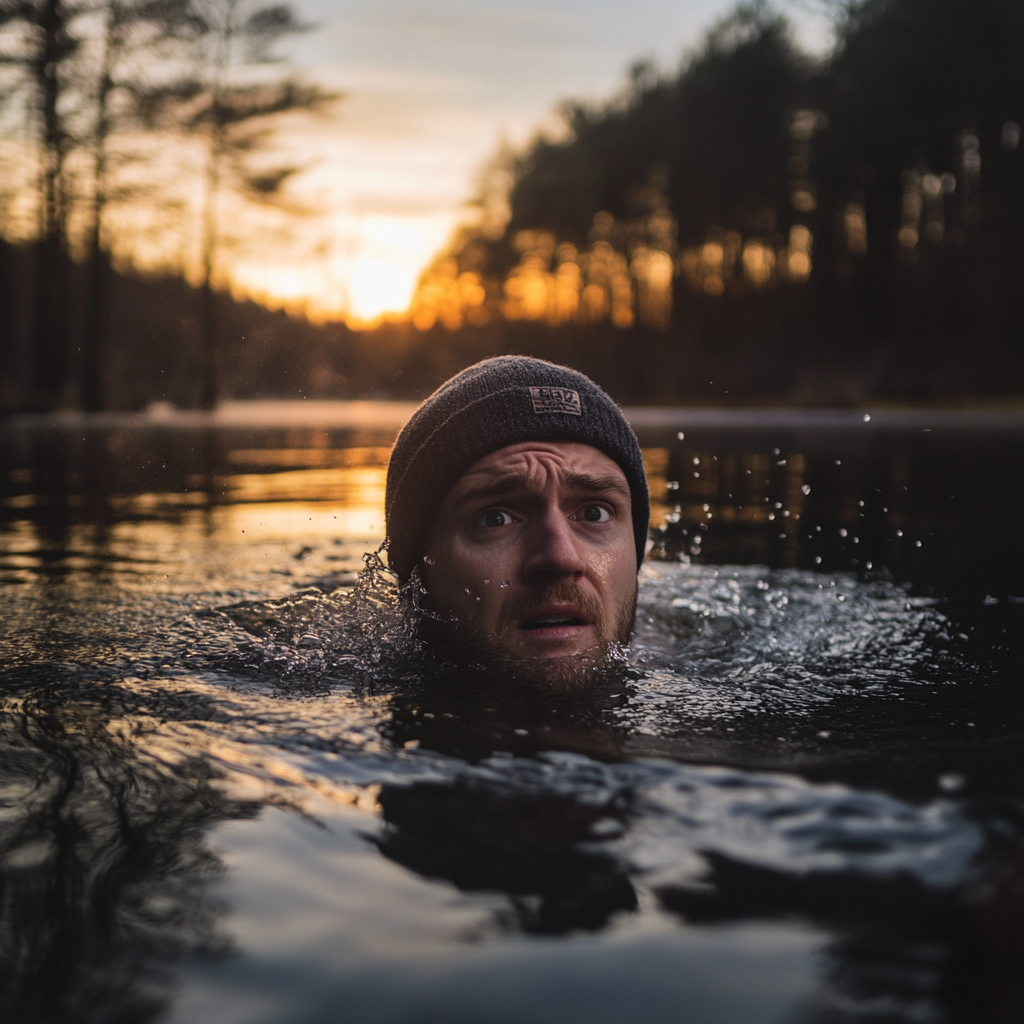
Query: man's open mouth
<point x="555" y="616"/>
<point x="549" y="621"/>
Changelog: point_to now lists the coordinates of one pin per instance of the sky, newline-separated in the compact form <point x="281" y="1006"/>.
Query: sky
<point x="432" y="89"/>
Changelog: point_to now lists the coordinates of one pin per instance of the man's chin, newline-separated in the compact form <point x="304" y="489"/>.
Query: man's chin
<point x="552" y="665"/>
<point x="560" y="671"/>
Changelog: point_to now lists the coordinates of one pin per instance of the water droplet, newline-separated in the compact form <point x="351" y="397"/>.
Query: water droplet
<point x="842" y="533"/>
<point x="806" y="489"/>
<point x="504" y="584"/>
<point x="950" y="782"/>
<point x="681" y="436"/>
<point x="817" y="559"/>
<point x="867" y="417"/>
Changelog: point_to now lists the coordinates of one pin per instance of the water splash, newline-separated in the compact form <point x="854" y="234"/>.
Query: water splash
<point x="722" y="642"/>
<point x="363" y="635"/>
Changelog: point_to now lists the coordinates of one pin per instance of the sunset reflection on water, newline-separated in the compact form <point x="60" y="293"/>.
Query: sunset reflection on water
<point x="839" y="499"/>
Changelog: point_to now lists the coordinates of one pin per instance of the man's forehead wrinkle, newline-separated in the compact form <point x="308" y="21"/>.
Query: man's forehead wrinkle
<point x="518" y="470"/>
<point x="485" y="483"/>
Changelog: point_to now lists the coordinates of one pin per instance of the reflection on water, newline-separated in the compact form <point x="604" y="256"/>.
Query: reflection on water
<point x="106" y="868"/>
<point x="230" y="792"/>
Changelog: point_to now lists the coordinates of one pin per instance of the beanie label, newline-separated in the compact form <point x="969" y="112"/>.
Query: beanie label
<point x="556" y="400"/>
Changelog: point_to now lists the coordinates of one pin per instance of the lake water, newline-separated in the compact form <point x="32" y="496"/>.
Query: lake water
<point x="226" y="797"/>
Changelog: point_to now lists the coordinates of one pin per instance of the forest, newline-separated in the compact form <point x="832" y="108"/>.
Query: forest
<point x="759" y="225"/>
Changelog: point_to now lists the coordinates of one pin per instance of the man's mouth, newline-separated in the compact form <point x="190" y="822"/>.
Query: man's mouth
<point x="571" y="618"/>
<point x="546" y="621"/>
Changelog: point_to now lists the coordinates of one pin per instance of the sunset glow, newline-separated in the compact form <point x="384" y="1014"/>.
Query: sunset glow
<point x="369" y="273"/>
<point x="429" y="95"/>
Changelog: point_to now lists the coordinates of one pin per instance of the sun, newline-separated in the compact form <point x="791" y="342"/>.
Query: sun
<point x="389" y="255"/>
<point x="370" y="274"/>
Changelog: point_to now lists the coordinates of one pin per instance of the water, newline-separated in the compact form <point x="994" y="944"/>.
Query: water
<point x="228" y="792"/>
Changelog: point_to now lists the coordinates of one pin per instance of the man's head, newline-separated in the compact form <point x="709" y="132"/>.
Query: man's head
<point x="517" y="493"/>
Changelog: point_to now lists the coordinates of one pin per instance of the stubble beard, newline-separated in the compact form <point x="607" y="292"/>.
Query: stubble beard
<point x="500" y="652"/>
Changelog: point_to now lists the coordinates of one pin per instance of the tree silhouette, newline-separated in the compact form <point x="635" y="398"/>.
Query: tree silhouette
<point x="40" y="46"/>
<point x="131" y="29"/>
<point x="234" y="118"/>
<point x="859" y="216"/>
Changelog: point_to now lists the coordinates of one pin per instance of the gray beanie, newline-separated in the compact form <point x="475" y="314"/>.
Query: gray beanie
<point x="488" y="406"/>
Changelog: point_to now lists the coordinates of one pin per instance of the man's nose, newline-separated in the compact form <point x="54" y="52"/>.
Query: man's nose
<point x="554" y="551"/>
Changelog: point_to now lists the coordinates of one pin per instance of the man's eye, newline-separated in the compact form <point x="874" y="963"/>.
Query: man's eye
<point x="493" y="517"/>
<point x="595" y="514"/>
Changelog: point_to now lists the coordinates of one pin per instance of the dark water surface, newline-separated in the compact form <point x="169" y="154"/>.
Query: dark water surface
<point x="226" y="796"/>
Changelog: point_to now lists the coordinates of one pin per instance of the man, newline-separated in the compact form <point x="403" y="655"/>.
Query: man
<point x="516" y="495"/>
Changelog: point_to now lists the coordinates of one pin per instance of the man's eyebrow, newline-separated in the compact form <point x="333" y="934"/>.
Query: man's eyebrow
<point x="597" y="484"/>
<point x="495" y="489"/>
<point x="514" y="481"/>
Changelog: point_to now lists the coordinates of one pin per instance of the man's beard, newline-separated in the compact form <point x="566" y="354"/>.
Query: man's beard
<point x="465" y="642"/>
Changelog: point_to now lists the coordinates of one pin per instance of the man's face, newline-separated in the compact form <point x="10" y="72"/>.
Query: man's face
<point x="533" y="554"/>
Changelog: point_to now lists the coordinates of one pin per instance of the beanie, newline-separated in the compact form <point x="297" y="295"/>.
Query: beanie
<point x="496" y="403"/>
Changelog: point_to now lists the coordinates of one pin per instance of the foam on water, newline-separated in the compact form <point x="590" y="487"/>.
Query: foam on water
<point x="718" y="643"/>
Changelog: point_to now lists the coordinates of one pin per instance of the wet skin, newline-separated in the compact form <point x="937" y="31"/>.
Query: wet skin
<point x="533" y="553"/>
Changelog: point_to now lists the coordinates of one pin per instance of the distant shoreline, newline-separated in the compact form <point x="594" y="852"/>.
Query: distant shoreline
<point x="391" y="415"/>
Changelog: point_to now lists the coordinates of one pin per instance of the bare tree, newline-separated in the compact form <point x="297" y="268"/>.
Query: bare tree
<point x="131" y="28"/>
<point x="235" y="117"/>
<point x="38" y="46"/>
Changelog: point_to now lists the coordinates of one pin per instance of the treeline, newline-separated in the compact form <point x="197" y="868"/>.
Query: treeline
<point x="758" y="226"/>
<point x="153" y="346"/>
<point x="766" y="224"/>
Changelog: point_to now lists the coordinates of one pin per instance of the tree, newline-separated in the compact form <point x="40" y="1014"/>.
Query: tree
<point x="130" y="28"/>
<point x="41" y="45"/>
<point x="234" y="117"/>
<point x="65" y="61"/>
